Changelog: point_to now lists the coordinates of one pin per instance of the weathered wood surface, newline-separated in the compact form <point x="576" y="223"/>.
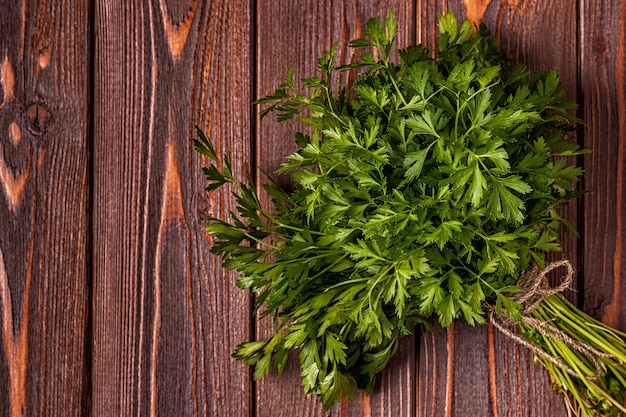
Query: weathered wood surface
<point x="165" y="316"/>
<point x="603" y="86"/>
<point x="110" y="301"/>
<point x="44" y="199"/>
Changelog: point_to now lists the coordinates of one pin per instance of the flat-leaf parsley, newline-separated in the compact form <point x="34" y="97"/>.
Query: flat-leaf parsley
<point x="425" y="189"/>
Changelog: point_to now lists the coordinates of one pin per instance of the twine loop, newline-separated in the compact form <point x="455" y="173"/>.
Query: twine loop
<point x="534" y="289"/>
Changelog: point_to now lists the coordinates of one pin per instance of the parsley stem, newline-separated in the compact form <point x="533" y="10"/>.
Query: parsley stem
<point x="322" y="254"/>
<point x="392" y="78"/>
<point x="261" y="242"/>
<point x="329" y="267"/>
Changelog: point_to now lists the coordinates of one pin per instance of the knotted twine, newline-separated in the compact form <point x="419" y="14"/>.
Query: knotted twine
<point x="534" y="289"/>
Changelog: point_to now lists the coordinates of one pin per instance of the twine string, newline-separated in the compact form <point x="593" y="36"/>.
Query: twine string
<point x="534" y="289"/>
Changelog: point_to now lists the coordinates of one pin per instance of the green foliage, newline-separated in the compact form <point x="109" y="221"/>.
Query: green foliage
<point x="424" y="189"/>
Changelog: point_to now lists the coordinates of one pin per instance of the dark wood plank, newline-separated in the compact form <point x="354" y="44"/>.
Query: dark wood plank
<point x="294" y="34"/>
<point x="603" y="78"/>
<point x="466" y="371"/>
<point x="166" y="317"/>
<point x="44" y="158"/>
<point x="476" y="371"/>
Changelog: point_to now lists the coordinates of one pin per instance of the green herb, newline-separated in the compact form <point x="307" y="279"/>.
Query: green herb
<point x="600" y="367"/>
<point x="425" y="189"/>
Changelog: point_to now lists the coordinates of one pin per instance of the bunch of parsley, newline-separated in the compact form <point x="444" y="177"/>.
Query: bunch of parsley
<point x="422" y="190"/>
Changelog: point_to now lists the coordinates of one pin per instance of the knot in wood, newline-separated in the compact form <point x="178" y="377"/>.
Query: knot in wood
<point x="38" y="118"/>
<point x="204" y="204"/>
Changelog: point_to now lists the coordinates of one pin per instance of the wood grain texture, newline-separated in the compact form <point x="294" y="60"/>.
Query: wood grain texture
<point x="166" y="317"/>
<point x="43" y="208"/>
<point x="463" y="370"/>
<point x="101" y="202"/>
<point x="294" y="34"/>
<point x="603" y="78"/>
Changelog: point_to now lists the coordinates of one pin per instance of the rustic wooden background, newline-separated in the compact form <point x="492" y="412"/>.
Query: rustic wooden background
<point x="110" y="302"/>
